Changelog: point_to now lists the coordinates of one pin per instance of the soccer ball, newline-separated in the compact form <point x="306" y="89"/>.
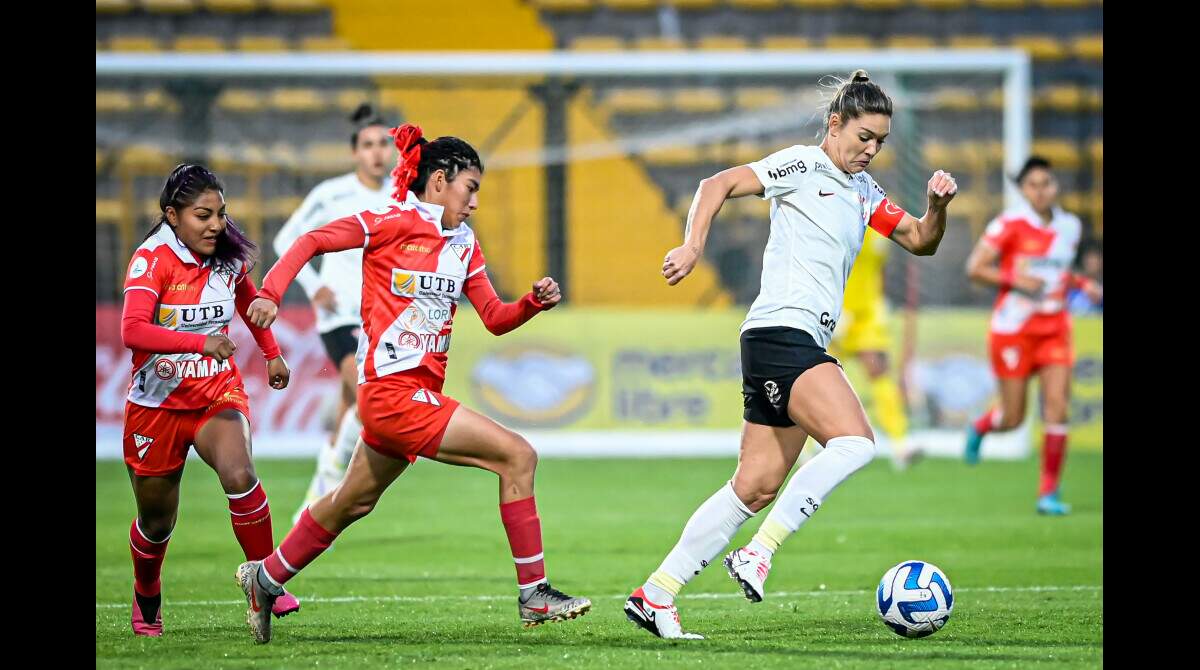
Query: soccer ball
<point x="914" y="599"/>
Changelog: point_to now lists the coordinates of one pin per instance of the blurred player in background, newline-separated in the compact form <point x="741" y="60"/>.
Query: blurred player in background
<point x="1028" y="252"/>
<point x="182" y="288"/>
<point x="822" y="201"/>
<point x="419" y="258"/>
<point x="336" y="292"/>
<point x="864" y="335"/>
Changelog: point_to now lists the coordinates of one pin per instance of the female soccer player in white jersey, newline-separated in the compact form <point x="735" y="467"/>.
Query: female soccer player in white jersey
<point x="183" y="286"/>
<point x="822" y="201"/>
<point x="1027" y="252"/>
<point x="336" y="291"/>
<point x="419" y="258"/>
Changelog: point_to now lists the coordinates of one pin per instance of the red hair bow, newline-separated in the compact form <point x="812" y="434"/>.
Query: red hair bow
<point x="408" y="143"/>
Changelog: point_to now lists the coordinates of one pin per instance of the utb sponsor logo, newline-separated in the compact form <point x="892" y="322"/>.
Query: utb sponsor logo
<point x="415" y="284"/>
<point x="191" y="316"/>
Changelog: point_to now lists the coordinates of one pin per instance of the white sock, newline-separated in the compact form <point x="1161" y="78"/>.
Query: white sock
<point x="347" y="436"/>
<point x="814" y="480"/>
<point x="711" y="527"/>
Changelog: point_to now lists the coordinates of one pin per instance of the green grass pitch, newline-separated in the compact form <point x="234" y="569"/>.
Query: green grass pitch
<point x="427" y="578"/>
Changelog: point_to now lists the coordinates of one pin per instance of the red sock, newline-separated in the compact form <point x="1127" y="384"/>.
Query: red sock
<point x="524" y="530"/>
<point x="147" y="560"/>
<point x="1054" y="452"/>
<point x="986" y="423"/>
<point x="303" y="544"/>
<point x="251" y="517"/>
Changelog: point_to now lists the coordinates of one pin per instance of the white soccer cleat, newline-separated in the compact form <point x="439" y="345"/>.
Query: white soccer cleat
<point x="661" y="621"/>
<point x="749" y="569"/>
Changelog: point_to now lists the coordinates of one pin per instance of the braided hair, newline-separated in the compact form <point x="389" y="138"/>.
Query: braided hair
<point x="419" y="158"/>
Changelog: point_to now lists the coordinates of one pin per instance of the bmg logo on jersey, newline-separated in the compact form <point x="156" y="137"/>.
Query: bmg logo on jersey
<point x="788" y="169"/>
<point x="195" y="317"/>
<point x="416" y="284"/>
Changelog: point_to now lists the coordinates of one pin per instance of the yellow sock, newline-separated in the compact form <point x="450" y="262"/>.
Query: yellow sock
<point x="889" y="407"/>
<point x="771" y="534"/>
<point x="665" y="582"/>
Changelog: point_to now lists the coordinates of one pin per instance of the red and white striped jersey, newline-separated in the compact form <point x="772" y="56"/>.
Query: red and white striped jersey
<point x="413" y="274"/>
<point x="193" y="299"/>
<point x="1027" y="246"/>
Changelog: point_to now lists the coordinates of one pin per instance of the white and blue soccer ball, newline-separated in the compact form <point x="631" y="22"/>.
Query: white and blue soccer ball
<point x="914" y="599"/>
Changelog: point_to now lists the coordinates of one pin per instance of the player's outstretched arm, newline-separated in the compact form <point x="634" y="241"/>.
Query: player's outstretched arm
<point x="711" y="194"/>
<point x="344" y="233"/>
<point x="922" y="236"/>
<point x="501" y="317"/>
<point x="308" y="216"/>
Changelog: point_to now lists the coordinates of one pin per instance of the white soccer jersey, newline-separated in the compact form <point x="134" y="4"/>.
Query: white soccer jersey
<point x="819" y="215"/>
<point x="341" y="271"/>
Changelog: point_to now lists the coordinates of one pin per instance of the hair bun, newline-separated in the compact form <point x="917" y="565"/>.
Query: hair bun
<point x="364" y="111"/>
<point x="859" y="76"/>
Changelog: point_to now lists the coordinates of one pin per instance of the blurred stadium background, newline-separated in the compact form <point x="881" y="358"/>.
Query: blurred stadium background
<point x="589" y="179"/>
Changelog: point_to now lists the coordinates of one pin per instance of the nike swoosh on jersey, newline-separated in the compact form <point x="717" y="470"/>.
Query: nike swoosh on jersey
<point x="823" y="193"/>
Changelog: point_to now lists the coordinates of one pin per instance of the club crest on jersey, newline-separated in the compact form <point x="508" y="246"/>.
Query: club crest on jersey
<point x="416" y="284"/>
<point x="141" y="443"/>
<point x="461" y="251"/>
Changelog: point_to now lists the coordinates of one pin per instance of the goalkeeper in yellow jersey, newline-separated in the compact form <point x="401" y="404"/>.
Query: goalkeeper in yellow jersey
<point x="863" y="333"/>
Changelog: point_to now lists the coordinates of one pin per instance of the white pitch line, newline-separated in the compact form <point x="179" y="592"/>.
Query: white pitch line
<point x="686" y="596"/>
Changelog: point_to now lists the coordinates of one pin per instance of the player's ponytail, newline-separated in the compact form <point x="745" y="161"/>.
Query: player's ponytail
<point x="184" y="186"/>
<point x="420" y="158"/>
<point x="855" y="97"/>
<point x="408" y="142"/>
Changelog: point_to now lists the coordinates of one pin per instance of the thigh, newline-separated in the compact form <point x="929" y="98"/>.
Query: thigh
<point x="824" y="404"/>
<point x="223" y="441"/>
<point x="1013" y="395"/>
<point x="765" y="458"/>
<point x="478" y="441"/>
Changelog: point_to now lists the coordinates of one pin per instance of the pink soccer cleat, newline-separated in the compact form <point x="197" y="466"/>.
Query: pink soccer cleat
<point x="147" y="608"/>
<point x="285" y="605"/>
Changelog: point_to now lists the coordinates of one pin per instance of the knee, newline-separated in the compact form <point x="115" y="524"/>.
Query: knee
<point x="860" y="450"/>
<point x="156" y="529"/>
<point x="521" y="458"/>
<point x="756" y="493"/>
<point x="239" y="479"/>
<point x="1008" y="421"/>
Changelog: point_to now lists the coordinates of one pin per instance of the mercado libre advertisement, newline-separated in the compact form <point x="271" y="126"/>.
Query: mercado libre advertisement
<point x="601" y="382"/>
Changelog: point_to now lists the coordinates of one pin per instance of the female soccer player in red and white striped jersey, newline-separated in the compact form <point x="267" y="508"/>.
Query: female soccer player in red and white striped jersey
<point x="1027" y="253"/>
<point x="419" y="257"/>
<point x="183" y="286"/>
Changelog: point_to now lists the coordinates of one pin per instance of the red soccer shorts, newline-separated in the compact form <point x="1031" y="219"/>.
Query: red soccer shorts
<point x="157" y="440"/>
<point x="1019" y="355"/>
<point x="404" y="416"/>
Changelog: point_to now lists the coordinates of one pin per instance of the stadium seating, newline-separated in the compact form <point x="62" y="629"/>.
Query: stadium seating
<point x="278" y="142"/>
